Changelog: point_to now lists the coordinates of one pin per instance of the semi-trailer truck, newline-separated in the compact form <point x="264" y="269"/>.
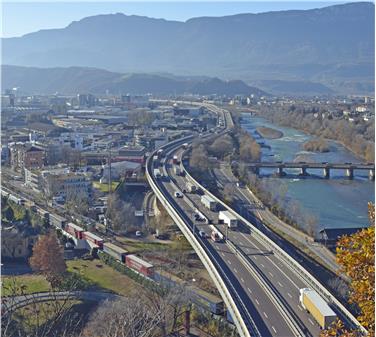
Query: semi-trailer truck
<point x="209" y="202"/>
<point x="227" y="218"/>
<point x="311" y="301"/>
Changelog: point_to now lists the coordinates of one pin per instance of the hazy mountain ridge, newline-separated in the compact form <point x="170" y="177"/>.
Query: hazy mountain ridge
<point x="310" y="46"/>
<point x="80" y="79"/>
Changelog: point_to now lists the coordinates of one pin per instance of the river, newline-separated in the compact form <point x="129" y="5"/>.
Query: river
<point x="336" y="202"/>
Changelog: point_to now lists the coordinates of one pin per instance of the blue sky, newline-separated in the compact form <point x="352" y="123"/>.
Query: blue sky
<point x="19" y="18"/>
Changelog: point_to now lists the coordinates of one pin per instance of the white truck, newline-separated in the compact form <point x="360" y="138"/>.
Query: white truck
<point x="311" y="301"/>
<point x="209" y="202"/>
<point x="177" y="170"/>
<point x="157" y="173"/>
<point x="227" y="218"/>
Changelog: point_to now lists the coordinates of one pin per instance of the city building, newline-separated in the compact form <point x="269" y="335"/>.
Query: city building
<point x="65" y="184"/>
<point x="132" y="153"/>
<point x="26" y="155"/>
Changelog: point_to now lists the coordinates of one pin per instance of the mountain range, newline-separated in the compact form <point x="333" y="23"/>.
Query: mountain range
<point x="73" y="80"/>
<point x="331" y="47"/>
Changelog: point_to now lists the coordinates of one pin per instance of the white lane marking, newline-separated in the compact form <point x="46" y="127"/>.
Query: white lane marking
<point x="250" y="291"/>
<point x="280" y="284"/>
<point x="229" y="262"/>
<point x="265" y="315"/>
<point x="257" y="301"/>
<point x="223" y="254"/>
<point x="289" y="295"/>
<point x="235" y="271"/>
<point x="242" y="279"/>
<point x="310" y="321"/>
<point x="255" y="257"/>
<point x="262" y="265"/>
<point x="247" y="250"/>
<point x="270" y="274"/>
<point x="275" y="331"/>
<point x="300" y="308"/>
<point x="292" y="282"/>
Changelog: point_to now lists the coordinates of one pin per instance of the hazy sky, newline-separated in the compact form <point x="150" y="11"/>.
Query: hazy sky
<point x="19" y="18"/>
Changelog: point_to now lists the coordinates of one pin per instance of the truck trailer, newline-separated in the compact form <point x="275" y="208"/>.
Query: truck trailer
<point x="311" y="301"/>
<point x="209" y="202"/>
<point x="227" y="218"/>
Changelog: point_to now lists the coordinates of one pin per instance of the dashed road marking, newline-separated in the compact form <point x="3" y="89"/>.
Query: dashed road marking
<point x="229" y="262"/>
<point x="223" y="254"/>
<point x="275" y="331"/>
<point x="265" y="315"/>
<point x="310" y="321"/>
<point x="235" y="271"/>
<point x="280" y="284"/>
<point x="300" y="308"/>
<point x="242" y="279"/>
<point x="250" y="291"/>
<point x="257" y="301"/>
<point x="262" y="265"/>
<point x="270" y="274"/>
<point x="255" y="257"/>
<point x="289" y="295"/>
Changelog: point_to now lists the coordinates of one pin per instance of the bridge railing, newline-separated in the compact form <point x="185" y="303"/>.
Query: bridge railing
<point x="217" y="274"/>
<point x="299" y="270"/>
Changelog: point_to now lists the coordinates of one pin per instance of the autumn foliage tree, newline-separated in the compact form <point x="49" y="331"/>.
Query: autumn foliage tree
<point x="356" y="255"/>
<point x="48" y="258"/>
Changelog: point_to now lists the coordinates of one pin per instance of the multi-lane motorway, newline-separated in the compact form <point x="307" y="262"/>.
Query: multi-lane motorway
<point x="285" y="285"/>
<point x="264" y="287"/>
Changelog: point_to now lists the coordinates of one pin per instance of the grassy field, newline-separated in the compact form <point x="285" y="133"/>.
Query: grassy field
<point x="134" y="246"/>
<point x="104" y="187"/>
<point x="96" y="272"/>
<point x="31" y="283"/>
<point x="103" y="276"/>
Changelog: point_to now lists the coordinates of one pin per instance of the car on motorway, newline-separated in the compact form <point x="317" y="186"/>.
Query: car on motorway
<point x="324" y="162"/>
<point x="202" y="234"/>
<point x="178" y="195"/>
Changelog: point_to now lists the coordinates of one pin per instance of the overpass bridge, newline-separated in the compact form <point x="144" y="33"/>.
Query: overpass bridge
<point x="349" y="168"/>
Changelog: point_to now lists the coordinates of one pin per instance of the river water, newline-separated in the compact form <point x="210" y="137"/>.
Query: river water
<point x="336" y="202"/>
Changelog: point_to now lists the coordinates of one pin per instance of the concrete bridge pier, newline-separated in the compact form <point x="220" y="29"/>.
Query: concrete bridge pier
<point x="303" y="171"/>
<point x="280" y="171"/>
<point x="350" y="173"/>
<point x="256" y="170"/>
<point x="326" y="172"/>
<point x="371" y="174"/>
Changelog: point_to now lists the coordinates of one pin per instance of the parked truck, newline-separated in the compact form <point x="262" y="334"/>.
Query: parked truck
<point x="311" y="301"/>
<point x="209" y="202"/>
<point x="191" y="187"/>
<point x="227" y="218"/>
